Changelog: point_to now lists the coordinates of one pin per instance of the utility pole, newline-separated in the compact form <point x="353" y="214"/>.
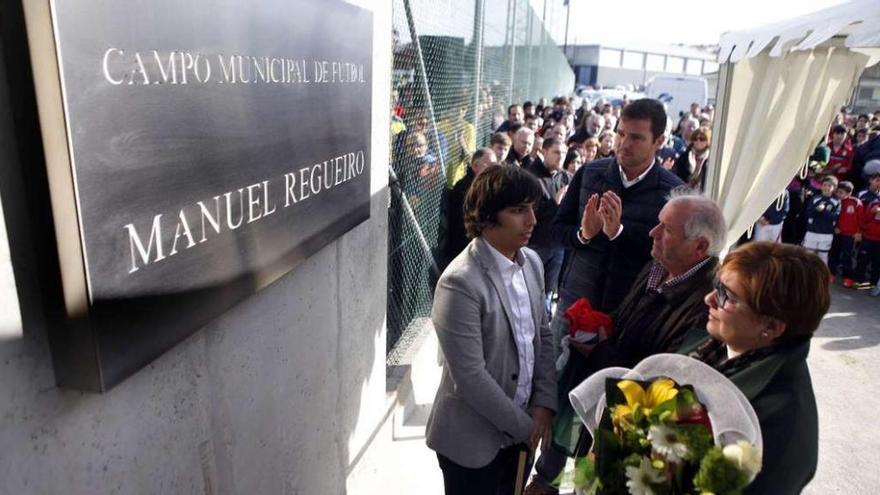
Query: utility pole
<point x="567" y="16"/>
<point x="510" y="99"/>
<point x="477" y="41"/>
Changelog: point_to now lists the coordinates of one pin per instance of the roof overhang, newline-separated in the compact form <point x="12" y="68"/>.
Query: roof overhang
<point x="854" y="25"/>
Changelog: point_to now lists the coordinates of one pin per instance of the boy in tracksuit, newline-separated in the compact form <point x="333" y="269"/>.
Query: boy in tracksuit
<point x="849" y="224"/>
<point x="869" y="252"/>
<point x="821" y="213"/>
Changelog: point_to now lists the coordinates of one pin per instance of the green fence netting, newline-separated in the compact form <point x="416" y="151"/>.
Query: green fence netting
<point x="457" y="65"/>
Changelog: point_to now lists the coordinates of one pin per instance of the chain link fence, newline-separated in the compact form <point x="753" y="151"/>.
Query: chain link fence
<point x="457" y="65"/>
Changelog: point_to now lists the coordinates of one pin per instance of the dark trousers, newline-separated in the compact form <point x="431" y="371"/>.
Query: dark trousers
<point x="552" y="260"/>
<point x="496" y="478"/>
<point x="869" y="255"/>
<point x="841" y="255"/>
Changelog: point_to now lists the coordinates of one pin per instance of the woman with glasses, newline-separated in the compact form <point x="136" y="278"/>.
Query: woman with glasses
<point x="690" y="166"/>
<point x="768" y="301"/>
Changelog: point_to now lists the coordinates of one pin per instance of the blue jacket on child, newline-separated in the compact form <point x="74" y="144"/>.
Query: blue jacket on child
<point x="775" y="215"/>
<point x="822" y="214"/>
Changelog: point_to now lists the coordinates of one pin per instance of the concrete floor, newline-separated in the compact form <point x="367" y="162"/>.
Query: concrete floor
<point x="845" y="366"/>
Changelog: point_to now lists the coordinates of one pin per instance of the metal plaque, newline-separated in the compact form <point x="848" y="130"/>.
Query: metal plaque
<point x="212" y="145"/>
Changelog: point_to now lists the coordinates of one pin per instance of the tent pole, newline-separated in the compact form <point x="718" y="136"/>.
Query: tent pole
<point x="722" y="103"/>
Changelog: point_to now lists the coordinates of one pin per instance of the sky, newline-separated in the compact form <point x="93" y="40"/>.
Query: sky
<point x="675" y="21"/>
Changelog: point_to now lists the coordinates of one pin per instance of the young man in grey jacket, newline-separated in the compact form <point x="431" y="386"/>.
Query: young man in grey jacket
<point x="497" y="394"/>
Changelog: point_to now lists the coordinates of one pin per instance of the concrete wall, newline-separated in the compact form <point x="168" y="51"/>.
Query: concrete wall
<point x="278" y="395"/>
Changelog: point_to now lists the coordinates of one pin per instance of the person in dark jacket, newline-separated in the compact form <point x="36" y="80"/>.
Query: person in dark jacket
<point x="664" y="304"/>
<point x="690" y="166"/>
<point x="769" y="226"/>
<point x="542" y="241"/>
<point x="865" y="152"/>
<point x="523" y="141"/>
<point x="456" y="238"/>
<point x="759" y="335"/>
<point x="608" y="210"/>
<point x="515" y="115"/>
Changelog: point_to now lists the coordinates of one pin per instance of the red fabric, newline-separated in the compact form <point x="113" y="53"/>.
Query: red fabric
<point x="850" y="220"/>
<point x="841" y="161"/>
<point x="871" y="221"/>
<point x="582" y="317"/>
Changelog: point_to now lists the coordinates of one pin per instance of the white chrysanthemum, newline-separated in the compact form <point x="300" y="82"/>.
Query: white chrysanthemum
<point x="745" y="456"/>
<point x="664" y="441"/>
<point x="640" y="479"/>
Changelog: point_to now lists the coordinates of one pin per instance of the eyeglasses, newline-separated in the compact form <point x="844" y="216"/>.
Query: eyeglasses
<point x="700" y="138"/>
<point x="722" y="294"/>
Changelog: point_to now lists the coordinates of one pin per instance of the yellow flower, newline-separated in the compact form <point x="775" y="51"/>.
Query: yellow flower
<point x="639" y="402"/>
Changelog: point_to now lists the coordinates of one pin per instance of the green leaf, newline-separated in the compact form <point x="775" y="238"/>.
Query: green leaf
<point x="719" y="476"/>
<point x="584" y="472"/>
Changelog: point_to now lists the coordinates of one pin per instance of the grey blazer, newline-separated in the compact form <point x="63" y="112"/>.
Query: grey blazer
<point x="474" y="414"/>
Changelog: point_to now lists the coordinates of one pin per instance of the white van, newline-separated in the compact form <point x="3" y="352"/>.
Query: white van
<point x="678" y="91"/>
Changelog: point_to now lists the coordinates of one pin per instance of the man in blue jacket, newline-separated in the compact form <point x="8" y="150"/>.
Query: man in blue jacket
<point x="608" y="210"/>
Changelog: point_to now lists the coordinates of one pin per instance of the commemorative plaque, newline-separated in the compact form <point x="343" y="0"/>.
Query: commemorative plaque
<point x="211" y="146"/>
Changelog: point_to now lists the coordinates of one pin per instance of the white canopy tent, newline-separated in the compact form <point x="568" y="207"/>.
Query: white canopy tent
<point x="779" y="88"/>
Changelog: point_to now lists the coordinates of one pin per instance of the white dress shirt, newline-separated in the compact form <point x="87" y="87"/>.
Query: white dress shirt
<point x="523" y="324"/>
<point x="629" y="183"/>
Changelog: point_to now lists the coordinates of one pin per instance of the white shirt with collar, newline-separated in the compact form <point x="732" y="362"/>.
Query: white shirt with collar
<point x="523" y="323"/>
<point x="629" y="183"/>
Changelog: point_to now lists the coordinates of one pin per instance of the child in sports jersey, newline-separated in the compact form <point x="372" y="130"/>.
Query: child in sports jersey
<point x="821" y="212"/>
<point x="849" y="223"/>
<point x="868" y="267"/>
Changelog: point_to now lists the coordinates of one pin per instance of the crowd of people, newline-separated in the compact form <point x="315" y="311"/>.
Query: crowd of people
<point x="604" y="202"/>
<point x="833" y="207"/>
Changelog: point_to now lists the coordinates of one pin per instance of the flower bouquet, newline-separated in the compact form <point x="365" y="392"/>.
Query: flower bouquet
<point x="659" y="436"/>
<point x="584" y="326"/>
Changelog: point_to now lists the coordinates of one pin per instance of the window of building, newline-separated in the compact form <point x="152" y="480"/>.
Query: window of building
<point x="655" y="62"/>
<point x="675" y="65"/>
<point x="609" y="57"/>
<point x="633" y="60"/>
<point x="709" y="67"/>
<point x="694" y="66"/>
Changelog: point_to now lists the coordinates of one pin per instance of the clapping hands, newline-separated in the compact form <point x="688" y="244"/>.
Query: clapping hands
<point x="602" y="213"/>
<point x="611" y="210"/>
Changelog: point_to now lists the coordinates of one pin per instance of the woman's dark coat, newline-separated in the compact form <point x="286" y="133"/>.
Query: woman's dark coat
<point x="780" y="389"/>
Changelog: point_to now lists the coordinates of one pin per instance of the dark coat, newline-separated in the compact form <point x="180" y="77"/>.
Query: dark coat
<point x="682" y="168"/>
<point x="603" y="270"/>
<point x="456" y="236"/>
<point x="775" y="215"/>
<point x="644" y="324"/>
<point x="822" y="222"/>
<point x="514" y="159"/>
<point x="781" y="391"/>
<point x="647" y="324"/>
<point x="546" y="209"/>
<point x="870" y="150"/>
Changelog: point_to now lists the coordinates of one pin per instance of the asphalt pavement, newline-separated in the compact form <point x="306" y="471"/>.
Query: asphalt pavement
<point x="845" y="367"/>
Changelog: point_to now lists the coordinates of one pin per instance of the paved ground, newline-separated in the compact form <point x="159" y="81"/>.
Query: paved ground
<point x="845" y="366"/>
